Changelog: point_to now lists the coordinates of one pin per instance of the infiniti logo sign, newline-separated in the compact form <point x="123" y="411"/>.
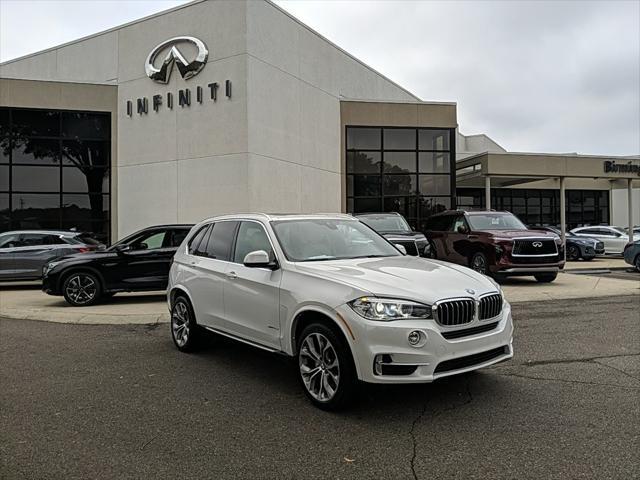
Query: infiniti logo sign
<point x="537" y="244"/>
<point x="187" y="69"/>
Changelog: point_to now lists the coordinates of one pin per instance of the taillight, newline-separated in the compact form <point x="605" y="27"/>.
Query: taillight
<point x="83" y="249"/>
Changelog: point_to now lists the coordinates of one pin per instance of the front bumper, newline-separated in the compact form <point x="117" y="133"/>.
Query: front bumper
<point x="387" y="341"/>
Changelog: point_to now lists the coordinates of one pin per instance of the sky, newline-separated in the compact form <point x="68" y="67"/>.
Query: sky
<point x="539" y="76"/>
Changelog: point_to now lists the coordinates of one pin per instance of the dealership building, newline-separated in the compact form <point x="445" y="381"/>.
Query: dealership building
<point x="235" y="106"/>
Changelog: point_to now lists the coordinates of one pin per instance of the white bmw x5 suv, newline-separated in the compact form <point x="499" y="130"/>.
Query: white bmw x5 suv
<point x="331" y="292"/>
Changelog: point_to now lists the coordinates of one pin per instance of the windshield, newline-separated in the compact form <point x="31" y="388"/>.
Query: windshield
<point x="308" y="240"/>
<point x="386" y="223"/>
<point x="495" y="221"/>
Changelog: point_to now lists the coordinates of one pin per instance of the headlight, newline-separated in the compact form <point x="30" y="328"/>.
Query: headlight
<point x="386" y="309"/>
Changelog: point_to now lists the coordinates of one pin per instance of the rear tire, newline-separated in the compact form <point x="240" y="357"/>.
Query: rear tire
<point x="546" y="277"/>
<point x="185" y="332"/>
<point x="479" y="263"/>
<point x="326" y="369"/>
<point x="81" y="289"/>
<point x="637" y="263"/>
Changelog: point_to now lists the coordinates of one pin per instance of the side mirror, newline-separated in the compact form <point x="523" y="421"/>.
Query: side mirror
<point x="122" y="249"/>
<point x="401" y="248"/>
<point x="462" y="229"/>
<point x="259" y="259"/>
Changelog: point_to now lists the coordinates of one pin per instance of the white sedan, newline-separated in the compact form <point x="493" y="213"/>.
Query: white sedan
<point x="614" y="238"/>
<point x="339" y="298"/>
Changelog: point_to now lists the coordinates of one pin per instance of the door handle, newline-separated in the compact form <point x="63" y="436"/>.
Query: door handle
<point x="232" y="275"/>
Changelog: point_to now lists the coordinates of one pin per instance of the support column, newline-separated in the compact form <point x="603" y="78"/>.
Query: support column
<point x="630" y="209"/>
<point x="487" y="192"/>
<point x="563" y="219"/>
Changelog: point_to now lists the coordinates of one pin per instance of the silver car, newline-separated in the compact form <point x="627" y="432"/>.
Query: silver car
<point x="24" y="253"/>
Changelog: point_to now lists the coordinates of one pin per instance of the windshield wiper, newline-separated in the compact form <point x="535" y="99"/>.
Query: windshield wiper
<point x="372" y="256"/>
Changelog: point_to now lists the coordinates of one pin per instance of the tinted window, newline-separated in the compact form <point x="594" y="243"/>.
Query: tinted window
<point x="251" y="237"/>
<point x="85" y="179"/>
<point x="459" y="222"/>
<point x="8" y="241"/>
<point x="34" y="239"/>
<point x="399" y="162"/>
<point x="221" y="240"/>
<point x="363" y="138"/>
<point x="85" y="125"/>
<point x="196" y="240"/>
<point x="86" y="153"/>
<point x="176" y="237"/>
<point x="36" y="122"/>
<point x="399" y="139"/>
<point x="36" y="150"/>
<point x="363" y="162"/>
<point x="36" y="179"/>
<point x="433" y="140"/>
<point x="4" y="177"/>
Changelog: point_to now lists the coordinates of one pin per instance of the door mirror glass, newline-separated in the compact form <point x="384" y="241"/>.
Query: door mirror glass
<point x="401" y="248"/>
<point x="258" y="259"/>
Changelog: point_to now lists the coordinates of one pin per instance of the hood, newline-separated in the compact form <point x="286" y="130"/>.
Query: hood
<point x="87" y="256"/>
<point x="407" y="277"/>
<point x="522" y="233"/>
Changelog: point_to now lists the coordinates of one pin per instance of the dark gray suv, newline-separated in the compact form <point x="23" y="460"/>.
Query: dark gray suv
<point x="24" y="253"/>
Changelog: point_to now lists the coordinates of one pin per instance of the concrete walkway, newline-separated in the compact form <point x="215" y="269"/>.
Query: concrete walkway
<point x="599" y="263"/>
<point x="27" y="301"/>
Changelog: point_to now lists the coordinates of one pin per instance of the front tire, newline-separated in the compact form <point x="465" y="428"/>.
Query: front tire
<point x="327" y="372"/>
<point x="573" y="253"/>
<point x="81" y="289"/>
<point x="637" y="263"/>
<point x="479" y="263"/>
<point x="546" y="277"/>
<point x="184" y="329"/>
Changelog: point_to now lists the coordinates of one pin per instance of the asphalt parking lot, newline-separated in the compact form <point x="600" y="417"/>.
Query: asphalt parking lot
<point x="119" y="401"/>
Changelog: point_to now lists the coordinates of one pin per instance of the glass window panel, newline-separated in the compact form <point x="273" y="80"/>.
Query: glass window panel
<point x="4" y="122"/>
<point x="434" y="162"/>
<point x="431" y="205"/>
<point x="85" y="207"/>
<point x="85" y="125"/>
<point x="363" y="138"/>
<point x="405" y="206"/>
<point x="575" y="201"/>
<point x="363" y="162"/>
<point x="399" y="162"/>
<point x="85" y="180"/>
<point x="36" y="123"/>
<point x="4" y="211"/>
<point x="400" y="184"/>
<point x="36" y="179"/>
<point x="364" y="205"/>
<point x="399" y="139"/>
<point x="433" y="140"/>
<point x="363" y="185"/>
<point x="251" y="237"/>
<point x="4" y="177"/>
<point x="221" y="240"/>
<point x="435" y="184"/>
<point x="32" y="211"/>
<point x="86" y="153"/>
<point x="36" y="150"/>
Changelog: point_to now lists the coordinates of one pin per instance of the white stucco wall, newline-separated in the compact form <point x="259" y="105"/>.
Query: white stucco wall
<point x="619" y="207"/>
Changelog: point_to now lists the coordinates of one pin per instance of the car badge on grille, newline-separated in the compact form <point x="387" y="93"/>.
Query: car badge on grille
<point x="537" y="244"/>
<point x="469" y="291"/>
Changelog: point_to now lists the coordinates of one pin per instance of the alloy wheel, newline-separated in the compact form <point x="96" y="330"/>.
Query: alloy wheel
<point x="319" y="367"/>
<point x="572" y="252"/>
<point x="479" y="264"/>
<point x="180" y="323"/>
<point x="81" y="289"/>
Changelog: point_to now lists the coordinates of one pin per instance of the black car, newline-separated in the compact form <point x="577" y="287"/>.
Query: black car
<point x="139" y="262"/>
<point x="578" y="247"/>
<point x="395" y="228"/>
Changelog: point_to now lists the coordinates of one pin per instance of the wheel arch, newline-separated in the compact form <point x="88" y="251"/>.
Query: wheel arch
<point x="179" y="290"/>
<point x="330" y="318"/>
<point x="81" y="269"/>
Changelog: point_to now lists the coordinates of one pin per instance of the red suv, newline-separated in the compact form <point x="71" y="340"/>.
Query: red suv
<point x="494" y="243"/>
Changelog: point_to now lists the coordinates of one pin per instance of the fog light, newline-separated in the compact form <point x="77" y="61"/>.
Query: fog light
<point x="414" y="338"/>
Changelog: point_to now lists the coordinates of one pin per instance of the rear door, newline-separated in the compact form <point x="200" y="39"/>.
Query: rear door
<point x="34" y="251"/>
<point x="252" y="295"/>
<point x="459" y="240"/>
<point x="205" y="272"/>
<point x="8" y="244"/>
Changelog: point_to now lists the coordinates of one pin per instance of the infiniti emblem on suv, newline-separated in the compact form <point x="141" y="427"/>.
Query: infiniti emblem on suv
<point x="537" y="244"/>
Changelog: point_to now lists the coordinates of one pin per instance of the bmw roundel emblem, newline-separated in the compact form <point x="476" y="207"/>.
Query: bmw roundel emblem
<point x="469" y="291"/>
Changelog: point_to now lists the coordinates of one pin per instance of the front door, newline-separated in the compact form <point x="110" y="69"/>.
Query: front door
<point x="252" y="295"/>
<point x="8" y="243"/>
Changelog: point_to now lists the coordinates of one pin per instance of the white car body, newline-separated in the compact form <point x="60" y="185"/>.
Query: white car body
<point x="261" y="306"/>
<point x="614" y="238"/>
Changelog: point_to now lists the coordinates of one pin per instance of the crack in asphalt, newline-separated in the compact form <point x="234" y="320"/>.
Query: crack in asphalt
<point x="562" y="380"/>
<point x="575" y="360"/>
<point x="434" y="415"/>
<point x="617" y="370"/>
